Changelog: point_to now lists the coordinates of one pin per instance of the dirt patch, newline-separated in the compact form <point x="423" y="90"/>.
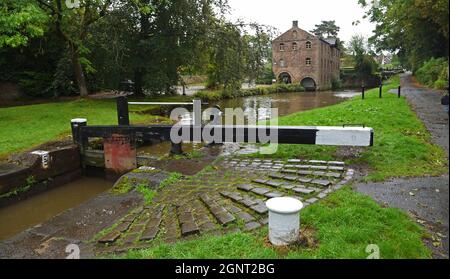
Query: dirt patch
<point x="306" y="240"/>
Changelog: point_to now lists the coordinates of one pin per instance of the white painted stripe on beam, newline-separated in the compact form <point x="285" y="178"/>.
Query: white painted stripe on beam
<point x="339" y="136"/>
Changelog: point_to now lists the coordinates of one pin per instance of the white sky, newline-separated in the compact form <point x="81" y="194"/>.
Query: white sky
<point x="281" y="13"/>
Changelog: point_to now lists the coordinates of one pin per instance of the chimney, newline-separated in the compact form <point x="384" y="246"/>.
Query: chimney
<point x="295" y="23"/>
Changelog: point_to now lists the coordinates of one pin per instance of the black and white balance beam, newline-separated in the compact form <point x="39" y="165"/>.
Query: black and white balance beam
<point x="315" y="135"/>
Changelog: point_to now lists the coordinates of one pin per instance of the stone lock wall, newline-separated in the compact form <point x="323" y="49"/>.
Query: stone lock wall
<point x="33" y="168"/>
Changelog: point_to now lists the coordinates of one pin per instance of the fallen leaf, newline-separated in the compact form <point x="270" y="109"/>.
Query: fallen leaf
<point x="436" y="244"/>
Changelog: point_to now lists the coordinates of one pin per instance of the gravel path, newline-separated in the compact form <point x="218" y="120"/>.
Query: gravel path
<point x="427" y="198"/>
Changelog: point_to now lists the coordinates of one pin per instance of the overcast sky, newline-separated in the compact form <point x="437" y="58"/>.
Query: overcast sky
<point x="281" y="13"/>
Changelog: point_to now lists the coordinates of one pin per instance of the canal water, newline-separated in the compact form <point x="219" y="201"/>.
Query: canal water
<point x="286" y="103"/>
<point x="38" y="209"/>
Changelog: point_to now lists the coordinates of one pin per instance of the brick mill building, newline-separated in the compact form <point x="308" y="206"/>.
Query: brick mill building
<point x="301" y="57"/>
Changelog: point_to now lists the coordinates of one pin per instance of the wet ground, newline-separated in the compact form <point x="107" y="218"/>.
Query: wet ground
<point x="426" y="199"/>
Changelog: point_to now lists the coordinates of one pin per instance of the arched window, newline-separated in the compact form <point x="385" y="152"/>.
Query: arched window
<point x="308" y="61"/>
<point x="281" y="47"/>
<point x="294" y="46"/>
<point x="308" y="45"/>
<point x="282" y="63"/>
<point x="294" y="34"/>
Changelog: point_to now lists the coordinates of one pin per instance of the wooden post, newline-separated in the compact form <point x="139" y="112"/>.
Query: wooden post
<point x="399" y="91"/>
<point x="363" y="92"/>
<point x="77" y="136"/>
<point x="122" y="111"/>
<point x="381" y="91"/>
<point x="176" y="149"/>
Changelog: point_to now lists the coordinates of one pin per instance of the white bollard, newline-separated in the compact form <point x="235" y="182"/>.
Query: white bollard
<point x="284" y="220"/>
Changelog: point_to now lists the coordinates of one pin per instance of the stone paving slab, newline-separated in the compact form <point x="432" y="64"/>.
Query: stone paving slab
<point x="150" y="232"/>
<point x="324" y="183"/>
<point x="277" y="176"/>
<point x="290" y="177"/>
<point x="123" y="227"/>
<point x="274" y="195"/>
<point x="260" y="181"/>
<point x="304" y="180"/>
<point x="260" y="191"/>
<point x="274" y="183"/>
<point x="187" y="221"/>
<point x="245" y="187"/>
<point x="110" y="237"/>
<point x="302" y="190"/>
<point x="130" y="238"/>
<point x="219" y="212"/>
<point x="245" y="216"/>
<point x="252" y="226"/>
<point x="260" y="208"/>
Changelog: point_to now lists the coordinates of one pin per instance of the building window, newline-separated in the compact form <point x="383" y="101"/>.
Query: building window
<point x="294" y="34"/>
<point x="308" y="45"/>
<point x="281" y="47"/>
<point x="282" y="63"/>
<point x="308" y="61"/>
<point x="294" y="46"/>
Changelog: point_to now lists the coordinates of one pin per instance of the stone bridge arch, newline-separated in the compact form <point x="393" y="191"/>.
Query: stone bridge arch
<point x="285" y="77"/>
<point x="308" y="83"/>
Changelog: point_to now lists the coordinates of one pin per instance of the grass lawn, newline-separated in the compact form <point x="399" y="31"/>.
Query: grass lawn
<point x="342" y="226"/>
<point x="402" y="144"/>
<point x="24" y="127"/>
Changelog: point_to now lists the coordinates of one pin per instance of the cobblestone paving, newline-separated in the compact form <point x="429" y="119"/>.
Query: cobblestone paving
<point x="227" y="197"/>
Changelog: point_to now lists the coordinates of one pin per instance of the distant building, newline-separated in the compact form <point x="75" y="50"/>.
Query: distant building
<point x="384" y="59"/>
<point x="301" y="57"/>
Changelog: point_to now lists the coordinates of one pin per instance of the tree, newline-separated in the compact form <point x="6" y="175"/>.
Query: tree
<point x="72" y="24"/>
<point x="326" y="29"/>
<point x="20" y="21"/>
<point x="358" y="47"/>
<point x="414" y="29"/>
<point x="238" y="51"/>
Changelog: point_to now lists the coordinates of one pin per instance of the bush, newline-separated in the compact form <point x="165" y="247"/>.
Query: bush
<point x="227" y="94"/>
<point x="36" y="84"/>
<point x="336" y="83"/>
<point x="433" y="73"/>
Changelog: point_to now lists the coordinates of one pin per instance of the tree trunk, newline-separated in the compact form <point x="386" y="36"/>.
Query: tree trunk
<point x="79" y="74"/>
<point x="138" y="82"/>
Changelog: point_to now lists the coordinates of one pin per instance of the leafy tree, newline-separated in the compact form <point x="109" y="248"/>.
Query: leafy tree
<point x="72" y="24"/>
<point x="414" y="29"/>
<point x="20" y="21"/>
<point x="365" y="65"/>
<point x="326" y="29"/>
